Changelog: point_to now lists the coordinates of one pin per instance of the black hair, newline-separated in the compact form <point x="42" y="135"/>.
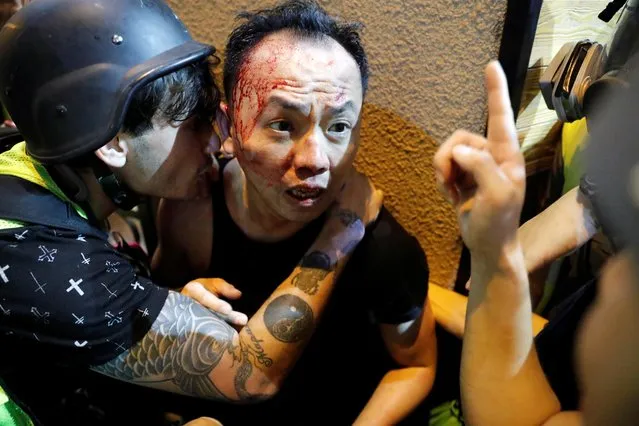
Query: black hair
<point x="304" y="17"/>
<point x="188" y="92"/>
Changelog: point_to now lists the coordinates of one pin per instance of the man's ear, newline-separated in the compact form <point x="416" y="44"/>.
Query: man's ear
<point x="114" y="153"/>
<point x="223" y="122"/>
<point x="227" y="132"/>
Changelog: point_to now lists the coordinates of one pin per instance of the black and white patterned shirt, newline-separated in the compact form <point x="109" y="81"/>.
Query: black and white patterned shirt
<point x="71" y="295"/>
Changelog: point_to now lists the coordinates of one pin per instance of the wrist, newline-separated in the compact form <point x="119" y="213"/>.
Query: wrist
<point x="340" y="235"/>
<point x="508" y="259"/>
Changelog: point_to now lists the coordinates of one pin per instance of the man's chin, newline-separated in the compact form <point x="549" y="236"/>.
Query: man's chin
<point x="304" y="214"/>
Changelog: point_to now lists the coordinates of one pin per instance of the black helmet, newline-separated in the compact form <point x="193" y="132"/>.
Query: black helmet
<point x="68" y="68"/>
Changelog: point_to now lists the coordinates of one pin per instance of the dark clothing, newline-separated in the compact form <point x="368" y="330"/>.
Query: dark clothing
<point x="556" y="345"/>
<point x="68" y="300"/>
<point x="385" y="281"/>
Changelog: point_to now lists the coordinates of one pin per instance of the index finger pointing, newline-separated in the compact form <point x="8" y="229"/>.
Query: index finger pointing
<point x="501" y="123"/>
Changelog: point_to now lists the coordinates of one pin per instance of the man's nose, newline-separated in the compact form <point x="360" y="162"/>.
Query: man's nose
<point x="310" y="157"/>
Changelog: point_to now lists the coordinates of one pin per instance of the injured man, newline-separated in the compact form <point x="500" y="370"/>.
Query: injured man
<point x="295" y="80"/>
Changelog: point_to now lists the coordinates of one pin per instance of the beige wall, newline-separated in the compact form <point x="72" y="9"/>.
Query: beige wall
<point x="426" y="57"/>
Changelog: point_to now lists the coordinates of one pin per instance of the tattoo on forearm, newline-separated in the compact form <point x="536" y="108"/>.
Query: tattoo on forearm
<point x="314" y="268"/>
<point x="347" y="217"/>
<point x="252" y="351"/>
<point x="185" y="343"/>
<point x="249" y="355"/>
<point x="289" y="319"/>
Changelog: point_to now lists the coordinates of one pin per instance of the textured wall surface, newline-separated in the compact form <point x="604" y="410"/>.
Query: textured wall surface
<point x="427" y="58"/>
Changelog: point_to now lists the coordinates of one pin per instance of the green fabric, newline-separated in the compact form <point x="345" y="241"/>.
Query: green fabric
<point x="446" y="414"/>
<point x="16" y="162"/>
<point x="11" y="414"/>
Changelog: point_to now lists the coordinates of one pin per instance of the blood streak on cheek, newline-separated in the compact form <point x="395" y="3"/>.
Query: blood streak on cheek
<point x="253" y="88"/>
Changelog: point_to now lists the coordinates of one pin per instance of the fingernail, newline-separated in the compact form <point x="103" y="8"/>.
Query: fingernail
<point x="462" y="150"/>
<point x="238" y="318"/>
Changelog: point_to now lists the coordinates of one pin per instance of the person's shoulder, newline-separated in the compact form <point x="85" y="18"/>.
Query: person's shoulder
<point x="176" y="218"/>
<point x="389" y="246"/>
<point x="386" y="234"/>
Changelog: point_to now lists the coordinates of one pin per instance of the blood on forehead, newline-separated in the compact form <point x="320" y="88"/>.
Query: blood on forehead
<point x="255" y="81"/>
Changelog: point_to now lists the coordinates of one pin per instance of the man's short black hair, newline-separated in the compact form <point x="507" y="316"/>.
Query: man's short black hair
<point x="188" y="92"/>
<point x="304" y="17"/>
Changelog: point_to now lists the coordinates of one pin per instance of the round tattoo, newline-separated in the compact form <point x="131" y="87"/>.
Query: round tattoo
<point x="289" y="319"/>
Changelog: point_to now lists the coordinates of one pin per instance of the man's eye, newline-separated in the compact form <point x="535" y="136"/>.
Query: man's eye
<point x="339" y="127"/>
<point x="281" y="126"/>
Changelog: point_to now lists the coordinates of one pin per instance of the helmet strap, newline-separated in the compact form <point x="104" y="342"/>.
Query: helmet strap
<point x="73" y="187"/>
<point x="118" y="192"/>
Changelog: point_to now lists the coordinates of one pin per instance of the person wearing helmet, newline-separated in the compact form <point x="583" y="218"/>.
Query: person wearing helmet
<point x="116" y="100"/>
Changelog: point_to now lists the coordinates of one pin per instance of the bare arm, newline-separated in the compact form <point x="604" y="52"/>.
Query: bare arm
<point x="193" y="351"/>
<point x="413" y="345"/>
<point x="502" y="382"/>
<point x="499" y="360"/>
<point x="449" y="308"/>
<point x="560" y="229"/>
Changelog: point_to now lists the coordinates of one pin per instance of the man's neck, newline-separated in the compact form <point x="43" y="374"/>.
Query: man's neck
<point x="100" y="204"/>
<point x="251" y="213"/>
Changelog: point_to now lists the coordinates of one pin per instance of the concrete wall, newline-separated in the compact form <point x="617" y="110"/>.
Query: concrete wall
<point x="427" y="58"/>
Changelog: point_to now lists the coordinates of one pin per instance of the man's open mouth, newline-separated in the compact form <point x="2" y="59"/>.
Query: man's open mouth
<point x="305" y="192"/>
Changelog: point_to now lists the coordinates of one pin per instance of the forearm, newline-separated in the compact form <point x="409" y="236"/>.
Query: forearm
<point x="499" y="362"/>
<point x="563" y="227"/>
<point x="286" y="321"/>
<point x="449" y="308"/>
<point x="399" y="392"/>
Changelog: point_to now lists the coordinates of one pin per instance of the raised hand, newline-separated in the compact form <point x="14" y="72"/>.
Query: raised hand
<point x="484" y="178"/>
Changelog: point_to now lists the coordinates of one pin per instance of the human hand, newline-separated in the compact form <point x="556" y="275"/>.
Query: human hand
<point x="207" y="292"/>
<point x="360" y="197"/>
<point x="484" y="178"/>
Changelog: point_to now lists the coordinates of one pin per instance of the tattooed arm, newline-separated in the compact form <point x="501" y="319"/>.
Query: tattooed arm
<point x="193" y="351"/>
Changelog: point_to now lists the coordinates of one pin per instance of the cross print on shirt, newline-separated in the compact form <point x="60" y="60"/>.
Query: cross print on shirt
<point x="75" y="285"/>
<point x="3" y="276"/>
<point x="81" y="238"/>
<point x="117" y="345"/>
<point x="39" y="286"/>
<point x="145" y="312"/>
<point x="136" y="285"/>
<point x="5" y="311"/>
<point x="112" y="267"/>
<point x="47" y="254"/>
<point x="44" y="316"/>
<point x="113" y="319"/>
<point x="21" y="237"/>
<point x="78" y="320"/>
<point x="111" y="293"/>
<point x="85" y="260"/>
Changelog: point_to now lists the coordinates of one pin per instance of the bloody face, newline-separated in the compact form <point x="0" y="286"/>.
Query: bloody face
<point x="295" y="113"/>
